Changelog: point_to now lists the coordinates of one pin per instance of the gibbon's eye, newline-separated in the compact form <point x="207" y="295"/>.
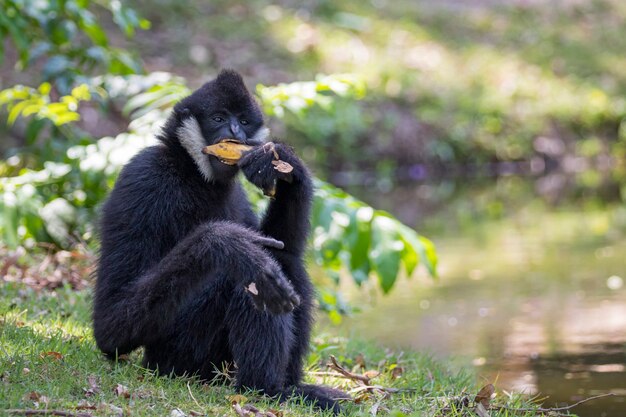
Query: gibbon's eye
<point x="243" y="122"/>
<point x="218" y="119"/>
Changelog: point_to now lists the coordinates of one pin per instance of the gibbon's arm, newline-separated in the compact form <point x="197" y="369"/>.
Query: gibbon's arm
<point x="128" y="313"/>
<point x="288" y="216"/>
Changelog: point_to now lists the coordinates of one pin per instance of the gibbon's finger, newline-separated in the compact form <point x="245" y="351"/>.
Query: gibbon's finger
<point x="295" y="300"/>
<point x="270" y="242"/>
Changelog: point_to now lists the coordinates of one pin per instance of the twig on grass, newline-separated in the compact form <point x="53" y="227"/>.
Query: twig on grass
<point x="543" y="410"/>
<point x="381" y="388"/>
<point x="363" y="381"/>
<point x="331" y="374"/>
<point x="249" y="410"/>
<point x="192" y="397"/>
<point x="334" y="365"/>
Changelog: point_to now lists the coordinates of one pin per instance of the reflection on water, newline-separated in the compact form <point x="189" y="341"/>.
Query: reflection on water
<point x="532" y="295"/>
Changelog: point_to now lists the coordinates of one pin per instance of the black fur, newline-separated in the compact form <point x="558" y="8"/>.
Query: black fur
<point x="180" y="250"/>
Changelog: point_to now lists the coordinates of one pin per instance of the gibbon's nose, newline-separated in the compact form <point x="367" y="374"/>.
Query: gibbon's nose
<point x="237" y="132"/>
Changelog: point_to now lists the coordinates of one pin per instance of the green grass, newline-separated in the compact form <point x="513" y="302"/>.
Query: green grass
<point x="48" y="359"/>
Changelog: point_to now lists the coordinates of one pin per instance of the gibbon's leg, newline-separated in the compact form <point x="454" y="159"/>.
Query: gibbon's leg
<point x="197" y="342"/>
<point x="260" y="343"/>
<point x="142" y="311"/>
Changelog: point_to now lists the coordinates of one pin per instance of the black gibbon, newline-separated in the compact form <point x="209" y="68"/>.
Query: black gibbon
<point x="180" y="246"/>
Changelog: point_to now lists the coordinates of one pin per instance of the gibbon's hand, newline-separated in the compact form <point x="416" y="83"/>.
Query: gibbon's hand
<point x="259" y="165"/>
<point x="260" y="274"/>
<point x="269" y="289"/>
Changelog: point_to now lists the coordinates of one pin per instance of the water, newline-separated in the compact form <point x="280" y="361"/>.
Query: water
<point x="532" y="293"/>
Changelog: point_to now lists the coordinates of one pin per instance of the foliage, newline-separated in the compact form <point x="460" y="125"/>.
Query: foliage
<point x="67" y="37"/>
<point x="323" y="117"/>
<point x="25" y="101"/>
<point x="350" y="234"/>
<point x="299" y="97"/>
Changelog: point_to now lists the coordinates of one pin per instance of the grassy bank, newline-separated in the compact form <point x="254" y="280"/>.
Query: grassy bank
<point x="49" y="361"/>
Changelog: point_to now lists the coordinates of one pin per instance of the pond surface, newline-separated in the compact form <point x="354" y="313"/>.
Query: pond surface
<point x="531" y="292"/>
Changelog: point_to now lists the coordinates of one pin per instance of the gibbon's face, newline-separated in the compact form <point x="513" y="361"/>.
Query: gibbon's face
<point x="220" y="109"/>
<point x="230" y="124"/>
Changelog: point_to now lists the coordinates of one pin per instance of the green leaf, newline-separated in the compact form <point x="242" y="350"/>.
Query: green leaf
<point x="16" y="110"/>
<point x="44" y="89"/>
<point x="431" y="256"/>
<point x="95" y="33"/>
<point x="424" y="248"/>
<point x="65" y="117"/>
<point x="144" y="24"/>
<point x="358" y="241"/>
<point x="410" y="258"/>
<point x="157" y="97"/>
<point x="19" y="92"/>
<point x="17" y="34"/>
<point x="81" y="92"/>
<point x="387" y="247"/>
<point x="123" y="63"/>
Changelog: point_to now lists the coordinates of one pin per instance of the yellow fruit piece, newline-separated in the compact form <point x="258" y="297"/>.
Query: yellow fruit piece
<point x="228" y="151"/>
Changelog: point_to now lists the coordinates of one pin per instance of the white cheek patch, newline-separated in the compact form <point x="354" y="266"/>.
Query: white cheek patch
<point x="191" y="138"/>
<point x="261" y="135"/>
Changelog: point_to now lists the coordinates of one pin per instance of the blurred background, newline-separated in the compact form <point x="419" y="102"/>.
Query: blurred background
<point x="495" y="128"/>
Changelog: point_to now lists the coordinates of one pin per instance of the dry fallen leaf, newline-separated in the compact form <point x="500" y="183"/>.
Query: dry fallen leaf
<point x="33" y="396"/>
<point x="282" y="166"/>
<point x="397" y="372"/>
<point x="237" y="398"/>
<point x="363" y="397"/>
<point x="484" y="395"/>
<point x="121" y="391"/>
<point x="371" y="374"/>
<point x="54" y="355"/>
<point x="228" y="151"/>
<point x="85" y="405"/>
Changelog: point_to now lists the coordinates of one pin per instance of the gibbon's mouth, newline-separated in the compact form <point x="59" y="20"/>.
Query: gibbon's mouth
<point x="228" y="151"/>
